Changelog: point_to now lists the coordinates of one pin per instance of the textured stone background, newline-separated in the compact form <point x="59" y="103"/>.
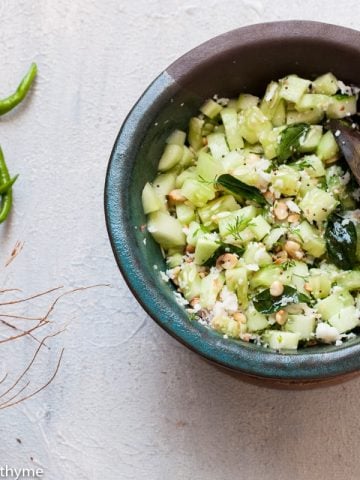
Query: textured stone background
<point x="129" y="402"/>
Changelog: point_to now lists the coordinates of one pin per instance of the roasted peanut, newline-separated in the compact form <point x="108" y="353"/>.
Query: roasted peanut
<point x="226" y="261"/>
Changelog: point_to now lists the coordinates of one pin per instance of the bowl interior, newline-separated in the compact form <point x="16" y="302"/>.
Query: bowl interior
<point x="244" y="60"/>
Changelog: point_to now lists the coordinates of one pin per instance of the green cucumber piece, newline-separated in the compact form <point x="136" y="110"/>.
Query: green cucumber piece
<point x="185" y="213"/>
<point x="345" y="320"/>
<point x="326" y="84"/>
<point x="177" y="137"/>
<point x="328" y="149"/>
<point x="211" y="108"/>
<point x="342" y="106"/>
<point x="172" y="155"/>
<point x="304" y="325"/>
<point x="199" y="193"/>
<point x="166" y="230"/>
<point x="317" y="205"/>
<point x="205" y="248"/>
<point x="311" y="140"/>
<point x="217" y="144"/>
<point x="246" y="100"/>
<point x="189" y="281"/>
<point x="229" y="118"/>
<point x="256" y="321"/>
<point x="293" y="88"/>
<point x="237" y="281"/>
<point x="151" y="202"/>
<point x="281" y="340"/>
<point x="334" y="303"/>
<point x="210" y="289"/>
<point x="195" y="137"/>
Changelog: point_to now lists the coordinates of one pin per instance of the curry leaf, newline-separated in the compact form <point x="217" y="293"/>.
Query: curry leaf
<point x="266" y="303"/>
<point x="236" y="186"/>
<point x="290" y="140"/>
<point x="223" y="248"/>
<point x="341" y="239"/>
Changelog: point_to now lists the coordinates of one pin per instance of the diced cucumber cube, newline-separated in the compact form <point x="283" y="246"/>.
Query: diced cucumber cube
<point x="312" y="165"/>
<point x="320" y="283"/>
<point x="260" y="227"/>
<point x="279" y="117"/>
<point x="237" y="281"/>
<point x="255" y="254"/>
<point x="190" y="172"/>
<point x="326" y="84"/>
<point x="194" y="233"/>
<point x="189" y="281"/>
<point x="345" y="320"/>
<point x="349" y="280"/>
<point x="232" y="128"/>
<point x="311" y="140"/>
<point x="177" y="137"/>
<point x="212" y="212"/>
<point x="317" y="205"/>
<point x="311" y="116"/>
<point x="199" y="193"/>
<point x="310" y="239"/>
<point x="328" y="148"/>
<point x="187" y="158"/>
<point x="210" y="289"/>
<point x="286" y="180"/>
<point x="311" y="101"/>
<point x="207" y="167"/>
<point x="205" y="248"/>
<point x="274" y="236"/>
<point x="334" y="303"/>
<point x="195" y="133"/>
<point x="246" y="100"/>
<point x="304" y="325"/>
<point x="271" y="100"/>
<point x="226" y="325"/>
<point x="256" y="321"/>
<point x="151" y="202"/>
<point x="217" y="144"/>
<point x="164" y="183"/>
<point x="233" y="160"/>
<point x="293" y="88"/>
<point x="172" y="155"/>
<point x="268" y="275"/>
<point x="253" y="124"/>
<point x="342" y="106"/>
<point x="174" y="260"/>
<point x="185" y="213"/>
<point x="211" y="108"/>
<point x="166" y="230"/>
<point x="281" y="340"/>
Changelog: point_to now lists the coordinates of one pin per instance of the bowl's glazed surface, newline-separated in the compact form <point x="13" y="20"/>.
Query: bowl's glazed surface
<point x="244" y="60"/>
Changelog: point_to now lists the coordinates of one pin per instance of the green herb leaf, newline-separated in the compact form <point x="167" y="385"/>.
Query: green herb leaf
<point x="238" y="226"/>
<point x="290" y="140"/>
<point x="341" y="239"/>
<point x="264" y="302"/>
<point x="223" y="248"/>
<point x="236" y="186"/>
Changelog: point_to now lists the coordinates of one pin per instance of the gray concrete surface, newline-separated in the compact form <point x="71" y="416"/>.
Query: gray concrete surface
<point x="128" y="401"/>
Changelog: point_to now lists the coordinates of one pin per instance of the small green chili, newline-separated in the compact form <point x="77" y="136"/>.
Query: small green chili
<point x="7" y="196"/>
<point x="11" y="101"/>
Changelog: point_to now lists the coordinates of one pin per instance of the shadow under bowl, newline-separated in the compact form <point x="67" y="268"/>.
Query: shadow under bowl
<point x="243" y="60"/>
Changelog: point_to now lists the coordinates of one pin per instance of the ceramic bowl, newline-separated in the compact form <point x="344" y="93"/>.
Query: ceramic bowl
<point x="243" y="60"/>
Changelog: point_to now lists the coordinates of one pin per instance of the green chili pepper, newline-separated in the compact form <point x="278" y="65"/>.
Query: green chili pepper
<point x="6" y="186"/>
<point x="10" y="102"/>
<point x="7" y="196"/>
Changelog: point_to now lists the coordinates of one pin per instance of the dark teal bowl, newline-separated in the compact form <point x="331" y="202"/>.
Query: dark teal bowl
<point x="245" y="59"/>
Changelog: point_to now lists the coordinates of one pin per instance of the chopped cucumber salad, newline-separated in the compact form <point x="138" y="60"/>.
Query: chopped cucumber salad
<point x="257" y="215"/>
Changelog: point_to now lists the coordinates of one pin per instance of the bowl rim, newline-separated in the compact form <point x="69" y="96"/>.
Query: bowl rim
<point x="262" y="363"/>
